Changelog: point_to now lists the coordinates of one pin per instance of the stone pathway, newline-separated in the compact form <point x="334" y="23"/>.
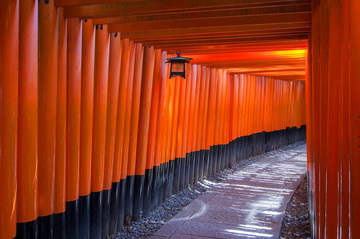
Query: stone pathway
<point x="249" y="204"/>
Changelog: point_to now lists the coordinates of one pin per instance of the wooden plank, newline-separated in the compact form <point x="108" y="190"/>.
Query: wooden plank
<point x="158" y="6"/>
<point x="255" y="9"/>
<point x="234" y="40"/>
<point x="244" y="47"/>
<point x="225" y="37"/>
<point x="67" y="3"/>
<point x="212" y="31"/>
<point x="212" y="22"/>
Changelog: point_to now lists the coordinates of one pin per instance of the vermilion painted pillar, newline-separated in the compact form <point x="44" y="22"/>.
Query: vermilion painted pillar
<point x="159" y="145"/>
<point x="143" y="130"/>
<point x="344" y="89"/>
<point x="227" y="121"/>
<point x="195" y="117"/>
<point x="60" y="148"/>
<point x="9" y="66"/>
<point x="235" y="106"/>
<point x="178" y="174"/>
<point x="148" y="199"/>
<point x="355" y="117"/>
<point x="73" y="127"/>
<point x="86" y="123"/>
<point x="167" y="137"/>
<point x="131" y="127"/>
<point x="112" y="106"/>
<point x="47" y="80"/>
<point x="201" y="121"/>
<point x="99" y="199"/>
<point x="109" y="198"/>
<point x="119" y="173"/>
<point x="173" y="134"/>
<point x="204" y="148"/>
<point x="24" y="77"/>
<point x="210" y="131"/>
<point x="218" y="121"/>
<point x="191" y="128"/>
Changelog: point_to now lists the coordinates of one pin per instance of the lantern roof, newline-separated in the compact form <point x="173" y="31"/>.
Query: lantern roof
<point x="178" y="58"/>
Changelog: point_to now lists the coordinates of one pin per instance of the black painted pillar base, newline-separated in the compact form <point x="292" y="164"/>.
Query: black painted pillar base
<point x="84" y="216"/>
<point x="96" y="214"/>
<point x="121" y="205"/>
<point x="196" y="158"/>
<point x="59" y="228"/>
<point x="187" y="170"/>
<point x="129" y="197"/>
<point x="177" y="175"/>
<point x="138" y="192"/>
<point x="155" y="194"/>
<point x="114" y="205"/>
<point x="105" y="213"/>
<point x="206" y="163"/>
<point x="201" y="164"/>
<point x="148" y="186"/>
<point x="164" y="182"/>
<point x="170" y="182"/>
<point x="72" y="220"/>
<point x="182" y="184"/>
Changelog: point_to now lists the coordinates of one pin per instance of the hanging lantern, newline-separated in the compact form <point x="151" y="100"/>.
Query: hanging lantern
<point x="177" y="65"/>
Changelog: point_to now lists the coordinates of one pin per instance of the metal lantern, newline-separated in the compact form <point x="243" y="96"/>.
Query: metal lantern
<point x="177" y="65"/>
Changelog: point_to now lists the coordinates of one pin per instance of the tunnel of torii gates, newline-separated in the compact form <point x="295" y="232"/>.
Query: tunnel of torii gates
<point x="93" y="130"/>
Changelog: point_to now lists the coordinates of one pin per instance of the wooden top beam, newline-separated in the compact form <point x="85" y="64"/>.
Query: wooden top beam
<point x="212" y="31"/>
<point x="156" y="6"/>
<point x="225" y="37"/>
<point x="233" y="40"/>
<point x="242" y="47"/>
<point x="213" y="22"/>
<point x="67" y="3"/>
<point x="255" y="9"/>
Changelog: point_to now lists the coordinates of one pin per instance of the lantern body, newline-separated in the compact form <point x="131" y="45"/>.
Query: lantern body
<point x="177" y="69"/>
<point x="177" y="65"/>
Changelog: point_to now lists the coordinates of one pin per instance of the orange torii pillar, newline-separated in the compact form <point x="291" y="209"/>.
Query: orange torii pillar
<point x="136" y="175"/>
<point x="204" y="149"/>
<point x="25" y="213"/>
<point x="159" y="153"/>
<point x="179" y="139"/>
<point x="201" y="124"/>
<point x="217" y="155"/>
<point x="86" y="124"/>
<point x="120" y="165"/>
<point x="9" y="66"/>
<point x="148" y="198"/>
<point x="99" y="200"/>
<point x="109" y="223"/>
<point x="173" y="138"/>
<point x="210" y="133"/>
<point x="194" y="154"/>
<point x="111" y="119"/>
<point x="47" y="90"/>
<point x="167" y="136"/>
<point x="73" y="127"/>
<point x="188" y="167"/>
<point x="60" y="148"/>
<point x="131" y="124"/>
<point x="186" y="103"/>
<point x="234" y="107"/>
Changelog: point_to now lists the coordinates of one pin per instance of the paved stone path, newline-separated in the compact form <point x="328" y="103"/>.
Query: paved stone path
<point x="249" y="204"/>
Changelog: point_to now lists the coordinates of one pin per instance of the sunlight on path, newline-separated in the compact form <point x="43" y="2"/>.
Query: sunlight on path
<point x="249" y="204"/>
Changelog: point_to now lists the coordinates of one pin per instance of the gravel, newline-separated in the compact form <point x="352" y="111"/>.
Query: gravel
<point x="146" y="226"/>
<point x="296" y="223"/>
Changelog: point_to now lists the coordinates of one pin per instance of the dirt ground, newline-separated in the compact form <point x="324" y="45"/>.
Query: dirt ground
<point x="296" y="223"/>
